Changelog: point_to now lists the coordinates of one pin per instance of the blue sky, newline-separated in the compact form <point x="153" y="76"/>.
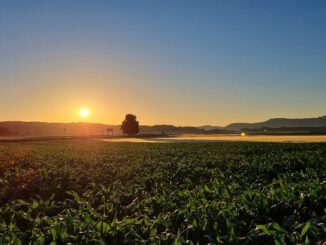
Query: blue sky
<point x="176" y="62"/>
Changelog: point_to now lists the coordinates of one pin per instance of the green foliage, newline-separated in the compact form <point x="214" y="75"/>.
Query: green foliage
<point x="88" y="192"/>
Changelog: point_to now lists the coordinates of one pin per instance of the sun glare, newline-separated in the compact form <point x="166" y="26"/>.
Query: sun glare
<point x="84" y="112"/>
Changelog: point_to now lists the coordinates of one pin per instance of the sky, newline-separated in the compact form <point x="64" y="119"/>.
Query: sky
<point x="181" y="62"/>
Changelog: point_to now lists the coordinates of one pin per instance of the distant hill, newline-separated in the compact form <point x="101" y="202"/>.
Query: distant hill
<point x="281" y="123"/>
<point x="18" y="128"/>
<point x="170" y="129"/>
<point x="210" y="127"/>
<point x="40" y="129"/>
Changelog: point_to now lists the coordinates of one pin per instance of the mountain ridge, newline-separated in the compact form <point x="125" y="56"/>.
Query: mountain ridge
<point x="37" y="128"/>
<point x="281" y="122"/>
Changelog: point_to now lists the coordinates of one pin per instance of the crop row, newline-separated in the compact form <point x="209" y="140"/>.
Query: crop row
<point x="87" y="192"/>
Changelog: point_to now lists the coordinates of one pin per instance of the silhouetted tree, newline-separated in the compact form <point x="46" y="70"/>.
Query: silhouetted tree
<point x="130" y="126"/>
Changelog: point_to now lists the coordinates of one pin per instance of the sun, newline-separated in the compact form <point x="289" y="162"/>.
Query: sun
<point x="84" y="112"/>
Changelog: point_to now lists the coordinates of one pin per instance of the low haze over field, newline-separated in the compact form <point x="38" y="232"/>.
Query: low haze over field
<point x="169" y="62"/>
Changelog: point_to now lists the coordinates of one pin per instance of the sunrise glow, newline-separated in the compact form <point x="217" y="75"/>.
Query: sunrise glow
<point x="84" y="112"/>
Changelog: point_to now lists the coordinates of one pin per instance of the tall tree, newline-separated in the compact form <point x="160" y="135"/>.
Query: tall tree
<point x="130" y="125"/>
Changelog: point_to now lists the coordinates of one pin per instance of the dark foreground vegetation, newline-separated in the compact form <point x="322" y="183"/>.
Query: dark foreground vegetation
<point x="88" y="192"/>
